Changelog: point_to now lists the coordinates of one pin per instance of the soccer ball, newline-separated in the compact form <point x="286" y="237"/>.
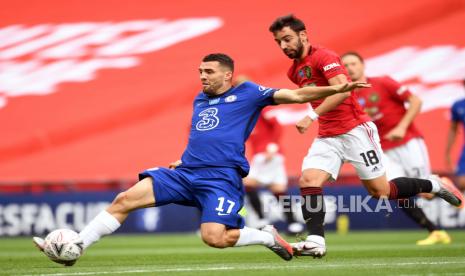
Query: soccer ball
<point x="63" y="245"/>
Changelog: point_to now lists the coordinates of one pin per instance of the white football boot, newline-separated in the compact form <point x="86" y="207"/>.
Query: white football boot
<point x="312" y="246"/>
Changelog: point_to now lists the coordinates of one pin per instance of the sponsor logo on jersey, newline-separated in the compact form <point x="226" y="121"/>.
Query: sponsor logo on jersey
<point x="230" y="99"/>
<point x="214" y="101"/>
<point x="208" y="120"/>
<point x="331" y="66"/>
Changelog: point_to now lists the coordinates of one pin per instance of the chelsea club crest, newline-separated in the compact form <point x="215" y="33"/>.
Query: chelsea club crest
<point x="230" y="99"/>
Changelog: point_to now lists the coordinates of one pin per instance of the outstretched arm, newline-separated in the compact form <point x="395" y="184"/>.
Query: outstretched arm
<point x="311" y="93"/>
<point x="327" y="105"/>
<point x="332" y="102"/>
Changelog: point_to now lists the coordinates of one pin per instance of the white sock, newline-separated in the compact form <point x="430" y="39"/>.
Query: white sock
<point x="316" y="239"/>
<point x="435" y="185"/>
<point x="249" y="236"/>
<point x="103" y="224"/>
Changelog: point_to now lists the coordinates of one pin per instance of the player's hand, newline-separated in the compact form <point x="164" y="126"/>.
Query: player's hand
<point x="345" y="87"/>
<point x="174" y="164"/>
<point x="396" y="134"/>
<point x="304" y="124"/>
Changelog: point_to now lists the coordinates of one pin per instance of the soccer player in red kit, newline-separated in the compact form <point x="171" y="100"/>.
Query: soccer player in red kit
<point x="402" y="142"/>
<point x="345" y="134"/>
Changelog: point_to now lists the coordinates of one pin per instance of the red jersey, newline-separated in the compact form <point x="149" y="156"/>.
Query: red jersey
<point x="267" y="130"/>
<point x="315" y="70"/>
<point x="384" y="102"/>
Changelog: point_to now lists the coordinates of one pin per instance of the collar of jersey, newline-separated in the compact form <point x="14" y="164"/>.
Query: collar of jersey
<point x="218" y="96"/>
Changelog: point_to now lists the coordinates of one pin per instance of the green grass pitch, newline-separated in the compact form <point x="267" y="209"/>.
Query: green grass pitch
<point x="357" y="253"/>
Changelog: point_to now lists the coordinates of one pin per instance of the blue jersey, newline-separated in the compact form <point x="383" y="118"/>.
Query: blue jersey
<point x="458" y="111"/>
<point x="221" y="125"/>
<point x="458" y="115"/>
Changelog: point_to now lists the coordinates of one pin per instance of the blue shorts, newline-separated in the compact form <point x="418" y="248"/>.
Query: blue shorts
<point x="461" y="164"/>
<point x="217" y="192"/>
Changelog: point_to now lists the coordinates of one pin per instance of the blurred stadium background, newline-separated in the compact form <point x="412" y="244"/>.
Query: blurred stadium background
<point x="92" y="92"/>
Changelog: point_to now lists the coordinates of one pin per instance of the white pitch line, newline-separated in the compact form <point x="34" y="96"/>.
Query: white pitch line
<point x="244" y="267"/>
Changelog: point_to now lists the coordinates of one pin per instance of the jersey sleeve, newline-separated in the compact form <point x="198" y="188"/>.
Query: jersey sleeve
<point x="261" y="96"/>
<point x="396" y="90"/>
<point x="330" y="64"/>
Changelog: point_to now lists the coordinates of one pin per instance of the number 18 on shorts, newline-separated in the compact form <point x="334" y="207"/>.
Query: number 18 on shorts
<point x="360" y="147"/>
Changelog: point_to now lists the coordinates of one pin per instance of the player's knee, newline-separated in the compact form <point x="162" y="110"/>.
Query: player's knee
<point x="250" y="183"/>
<point x="213" y="239"/>
<point x="278" y="189"/>
<point x="121" y="202"/>
<point x="308" y="181"/>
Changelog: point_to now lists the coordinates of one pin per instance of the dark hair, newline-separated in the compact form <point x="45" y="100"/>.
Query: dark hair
<point x="353" y="53"/>
<point x="290" y="21"/>
<point x="223" y="59"/>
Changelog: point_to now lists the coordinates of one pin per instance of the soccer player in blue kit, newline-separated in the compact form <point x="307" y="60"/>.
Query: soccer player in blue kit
<point x="209" y="174"/>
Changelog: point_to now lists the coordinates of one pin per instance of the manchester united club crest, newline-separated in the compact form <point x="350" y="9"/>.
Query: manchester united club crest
<point x="374" y="97"/>
<point x="306" y="72"/>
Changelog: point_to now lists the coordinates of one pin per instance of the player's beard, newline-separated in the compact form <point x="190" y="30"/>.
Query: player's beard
<point x="297" y="53"/>
<point x="211" y="89"/>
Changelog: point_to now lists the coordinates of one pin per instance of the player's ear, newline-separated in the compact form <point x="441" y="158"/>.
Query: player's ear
<point x="228" y="76"/>
<point x="303" y="36"/>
